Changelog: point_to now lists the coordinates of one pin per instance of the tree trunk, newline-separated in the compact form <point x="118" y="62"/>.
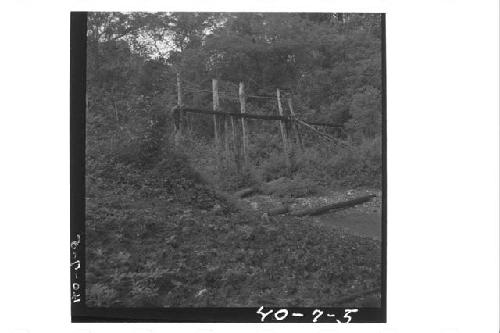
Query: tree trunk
<point x="337" y="205"/>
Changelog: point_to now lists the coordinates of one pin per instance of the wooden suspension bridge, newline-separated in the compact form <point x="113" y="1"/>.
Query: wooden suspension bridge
<point x="226" y="126"/>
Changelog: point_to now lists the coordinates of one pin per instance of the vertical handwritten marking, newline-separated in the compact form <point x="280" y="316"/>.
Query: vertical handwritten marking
<point x="75" y="266"/>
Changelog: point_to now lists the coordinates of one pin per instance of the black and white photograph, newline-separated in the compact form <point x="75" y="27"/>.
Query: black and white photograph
<point x="234" y="160"/>
<point x="230" y="166"/>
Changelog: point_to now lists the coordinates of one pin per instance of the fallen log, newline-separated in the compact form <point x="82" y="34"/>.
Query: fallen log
<point x="337" y="205"/>
<point x="245" y="192"/>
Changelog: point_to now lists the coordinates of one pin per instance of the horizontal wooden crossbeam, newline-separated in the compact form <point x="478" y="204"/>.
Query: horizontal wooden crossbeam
<point x="236" y="114"/>
<point x="254" y="116"/>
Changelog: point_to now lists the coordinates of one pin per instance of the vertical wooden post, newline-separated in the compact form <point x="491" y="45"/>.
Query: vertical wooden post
<point x="179" y="89"/>
<point x="226" y="141"/>
<point x="178" y="114"/>
<point x="189" y="123"/>
<point x="236" y="153"/>
<point x="215" y="104"/>
<point x="295" y="125"/>
<point x="241" y="94"/>
<point x="283" y="130"/>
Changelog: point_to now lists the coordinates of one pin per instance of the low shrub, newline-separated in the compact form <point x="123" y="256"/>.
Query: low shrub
<point x="274" y="167"/>
<point x="223" y="174"/>
<point x="354" y="165"/>
<point x="101" y="295"/>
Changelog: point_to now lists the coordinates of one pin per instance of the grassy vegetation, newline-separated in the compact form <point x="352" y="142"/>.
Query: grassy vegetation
<point x="319" y="165"/>
<point x="160" y="236"/>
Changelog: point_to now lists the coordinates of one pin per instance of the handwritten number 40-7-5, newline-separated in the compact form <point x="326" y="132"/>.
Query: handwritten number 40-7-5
<point x="282" y="314"/>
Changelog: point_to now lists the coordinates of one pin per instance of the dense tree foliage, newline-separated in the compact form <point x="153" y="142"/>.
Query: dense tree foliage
<point x="330" y="62"/>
